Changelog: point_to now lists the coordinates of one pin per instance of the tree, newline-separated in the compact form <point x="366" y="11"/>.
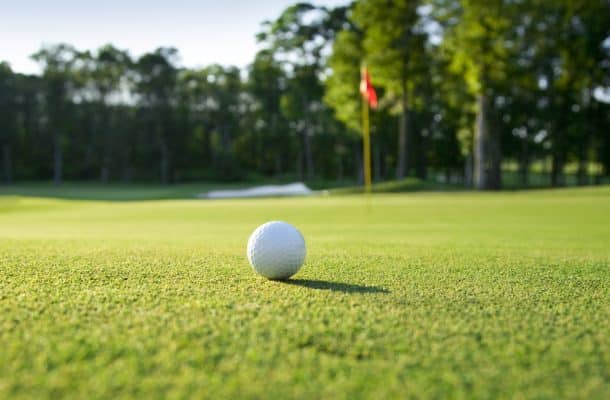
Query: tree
<point x="7" y="119"/>
<point x="266" y="86"/>
<point x="225" y="96"/>
<point x="394" y="49"/>
<point x="58" y="79"/>
<point x="563" y="40"/>
<point x="156" y="89"/>
<point x="481" y="50"/>
<point x="299" y="39"/>
<point x="106" y="76"/>
<point x="342" y="86"/>
<point x="465" y="81"/>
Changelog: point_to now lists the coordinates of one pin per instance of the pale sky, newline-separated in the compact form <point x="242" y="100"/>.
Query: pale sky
<point x="204" y="31"/>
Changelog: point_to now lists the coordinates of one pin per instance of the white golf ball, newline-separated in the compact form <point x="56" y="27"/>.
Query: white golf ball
<point x="276" y="250"/>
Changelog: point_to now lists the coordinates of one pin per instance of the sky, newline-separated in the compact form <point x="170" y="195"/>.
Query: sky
<point x="204" y="31"/>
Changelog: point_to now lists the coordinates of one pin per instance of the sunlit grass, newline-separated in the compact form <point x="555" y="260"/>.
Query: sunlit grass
<point x="419" y="295"/>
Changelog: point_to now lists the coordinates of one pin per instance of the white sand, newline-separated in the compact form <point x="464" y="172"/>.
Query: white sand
<point x="293" y="189"/>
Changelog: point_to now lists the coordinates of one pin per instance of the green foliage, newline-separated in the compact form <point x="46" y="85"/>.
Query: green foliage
<point x="7" y="102"/>
<point x="59" y="81"/>
<point x="424" y="295"/>
<point x="394" y="48"/>
<point x="342" y="86"/>
<point x="157" y="77"/>
<point x="297" y="40"/>
<point x="479" y="42"/>
<point x="538" y="67"/>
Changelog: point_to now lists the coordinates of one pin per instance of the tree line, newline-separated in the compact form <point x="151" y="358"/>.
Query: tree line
<point x="465" y="87"/>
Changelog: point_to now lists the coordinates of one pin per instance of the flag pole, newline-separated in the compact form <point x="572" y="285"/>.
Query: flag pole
<point x="366" y="145"/>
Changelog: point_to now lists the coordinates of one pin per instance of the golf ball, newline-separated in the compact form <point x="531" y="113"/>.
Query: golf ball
<point x="276" y="250"/>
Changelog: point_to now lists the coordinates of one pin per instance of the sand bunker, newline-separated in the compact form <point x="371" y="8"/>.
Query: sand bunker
<point x="293" y="189"/>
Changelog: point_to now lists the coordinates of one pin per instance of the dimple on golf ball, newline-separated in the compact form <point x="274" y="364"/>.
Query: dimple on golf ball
<point x="276" y="250"/>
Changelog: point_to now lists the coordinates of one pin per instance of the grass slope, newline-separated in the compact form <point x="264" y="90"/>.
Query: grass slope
<point x="430" y="295"/>
<point x="113" y="191"/>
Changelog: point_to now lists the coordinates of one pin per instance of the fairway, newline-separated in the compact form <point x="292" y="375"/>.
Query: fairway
<point x="459" y="295"/>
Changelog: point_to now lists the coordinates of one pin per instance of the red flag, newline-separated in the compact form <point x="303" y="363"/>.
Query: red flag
<point x="366" y="88"/>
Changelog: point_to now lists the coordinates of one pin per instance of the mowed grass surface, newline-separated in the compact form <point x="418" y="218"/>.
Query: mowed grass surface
<point x="413" y="296"/>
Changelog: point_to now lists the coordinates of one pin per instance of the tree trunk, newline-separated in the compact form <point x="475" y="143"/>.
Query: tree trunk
<point x="7" y="164"/>
<point x="278" y="165"/>
<point x="487" y="157"/>
<point x="309" y="163"/>
<point x="104" y="129"/>
<point x="127" y="173"/>
<point x="480" y="145"/>
<point x="57" y="161"/>
<point x="383" y="164"/>
<point x="226" y="144"/>
<point x="164" y="165"/>
<point x="402" y="162"/>
<point x="105" y="164"/>
<point x="421" y="169"/>
<point x="495" y="156"/>
<point x="358" y="165"/>
<point x="582" y="168"/>
<point x="299" y="164"/>
<point x="468" y="167"/>
<point x="400" y="158"/>
<point x="277" y="159"/>
<point x="557" y="178"/>
<point x="339" y="168"/>
<point x="524" y="165"/>
<point x="227" y="160"/>
<point x="209" y="160"/>
<point x="126" y="165"/>
<point x="377" y="163"/>
<point x="105" y="170"/>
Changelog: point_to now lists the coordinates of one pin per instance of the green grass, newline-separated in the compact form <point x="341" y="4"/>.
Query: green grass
<point x="398" y="186"/>
<point x="424" y="295"/>
<point x="114" y="191"/>
<point x="147" y="191"/>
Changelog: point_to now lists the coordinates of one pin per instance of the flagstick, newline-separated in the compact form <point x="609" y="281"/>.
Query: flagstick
<point x="366" y="145"/>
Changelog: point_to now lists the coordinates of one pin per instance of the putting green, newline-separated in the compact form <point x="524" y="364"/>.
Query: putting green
<point x="437" y="295"/>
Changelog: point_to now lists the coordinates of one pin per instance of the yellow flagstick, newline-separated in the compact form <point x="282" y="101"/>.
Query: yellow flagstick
<point x="366" y="145"/>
